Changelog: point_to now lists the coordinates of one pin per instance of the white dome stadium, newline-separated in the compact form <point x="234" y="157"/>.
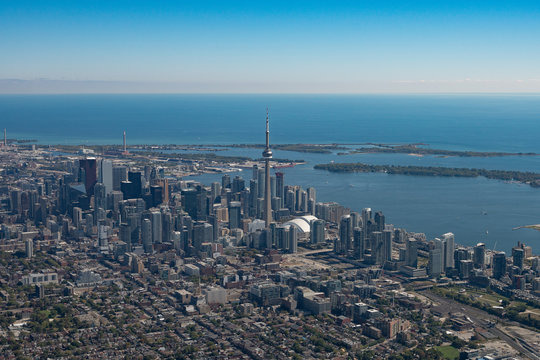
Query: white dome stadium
<point x="302" y="223"/>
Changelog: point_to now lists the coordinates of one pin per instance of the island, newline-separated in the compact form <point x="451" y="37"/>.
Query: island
<point x="419" y="149"/>
<point x="532" y="179"/>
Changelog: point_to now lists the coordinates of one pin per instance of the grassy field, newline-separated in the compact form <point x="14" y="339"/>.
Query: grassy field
<point x="448" y="352"/>
<point x="480" y="295"/>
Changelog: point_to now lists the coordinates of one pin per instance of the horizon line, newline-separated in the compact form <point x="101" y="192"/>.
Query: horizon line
<point x="280" y="93"/>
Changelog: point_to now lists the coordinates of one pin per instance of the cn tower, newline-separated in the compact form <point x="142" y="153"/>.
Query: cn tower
<point x="267" y="155"/>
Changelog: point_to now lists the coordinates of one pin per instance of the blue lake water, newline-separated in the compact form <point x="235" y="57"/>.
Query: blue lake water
<point x="474" y="209"/>
<point x="432" y="205"/>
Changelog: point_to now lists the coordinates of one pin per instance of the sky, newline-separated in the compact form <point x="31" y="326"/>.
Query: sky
<point x="275" y="46"/>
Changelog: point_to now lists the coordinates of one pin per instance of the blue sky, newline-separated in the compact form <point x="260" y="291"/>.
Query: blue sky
<point x="275" y="46"/>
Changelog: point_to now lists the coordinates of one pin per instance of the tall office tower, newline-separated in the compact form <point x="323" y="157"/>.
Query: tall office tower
<point x="499" y="265"/>
<point x="29" y="248"/>
<point x="115" y="199"/>
<point x="260" y="209"/>
<point x="359" y="242"/>
<point x="167" y="225"/>
<point x="312" y="206"/>
<point x="298" y="196"/>
<point x="317" y="231"/>
<point x="125" y="235"/>
<point x="465" y="268"/>
<point x="195" y="204"/>
<point x="88" y="171"/>
<point x="164" y="183"/>
<point x="518" y="255"/>
<point x="273" y="234"/>
<point x="148" y="170"/>
<point x="119" y="175"/>
<point x="255" y="172"/>
<point x="379" y="221"/>
<point x="448" y="241"/>
<point x="43" y="208"/>
<point x="253" y="196"/>
<point x="479" y="256"/>
<point x="225" y="181"/>
<point x="105" y="175"/>
<point x="312" y="193"/>
<point x="99" y="214"/>
<point x="376" y="245"/>
<point x="202" y="233"/>
<point x="187" y="222"/>
<point x="89" y="222"/>
<point x="213" y="220"/>
<point x="460" y="254"/>
<point x="435" y="265"/>
<point x="267" y="155"/>
<point x="156" y="195"/>
<point x="266" y="238"/>
<point x="276" y="204"/>
<point x="243" y="197"/>
<point x="215" y="191"/>
<point x="273" y="186"/>
<point x="356" y="220"/>
<point x="366" y="216"/>
<point x="77" y="216"/>
<point x="135" y="177"/>
<point x="15" y="201"/>
<point x="260" y="182"/>
<point x="176" y="238"/>
<point x="411" y="252"/>
<point x="345" y="234"/>
<point x="387" y="245"/>
<point x="103" y="236"/>
<point x="303" y="206"/>
<point x="126" y="187"/>
<point x="281" y="237"/>
<point x="293" y="240"/>
<point x="235" y="217"/>
<point x="238" y="184"/>
<point x="100" y="197"/>
<point x="290" y="200"/>
<point x="157" y="226"/>
<point x="535" y="265"/>
<point x="280" y="186"/>
<point x="146" y="235"/>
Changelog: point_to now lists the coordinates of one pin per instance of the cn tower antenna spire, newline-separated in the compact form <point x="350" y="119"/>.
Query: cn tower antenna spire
<point x="267" y="155"/>
<point x="267" y="131"/>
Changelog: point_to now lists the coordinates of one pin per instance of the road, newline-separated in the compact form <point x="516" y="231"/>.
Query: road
<point x="313" y="252"/>
<point x="483" y="319"/>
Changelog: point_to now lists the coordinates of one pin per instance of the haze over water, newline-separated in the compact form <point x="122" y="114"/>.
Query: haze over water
<point x="474" y="209"/>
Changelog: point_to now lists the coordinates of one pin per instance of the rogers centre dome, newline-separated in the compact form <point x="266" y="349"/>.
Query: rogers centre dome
<point x="302" y="223"/>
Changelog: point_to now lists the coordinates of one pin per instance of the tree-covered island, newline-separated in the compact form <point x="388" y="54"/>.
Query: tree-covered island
<point x="532" y="179"/>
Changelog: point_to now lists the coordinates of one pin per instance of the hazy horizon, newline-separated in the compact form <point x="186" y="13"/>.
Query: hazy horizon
<point x="279" y="47"/>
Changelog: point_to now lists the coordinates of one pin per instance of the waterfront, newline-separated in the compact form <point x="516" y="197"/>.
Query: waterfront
<point x="474" y="209"/>
<point x="430" y="205"/>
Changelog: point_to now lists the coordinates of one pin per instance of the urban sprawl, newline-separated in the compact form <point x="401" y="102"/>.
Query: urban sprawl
<point x="120" y="255"/>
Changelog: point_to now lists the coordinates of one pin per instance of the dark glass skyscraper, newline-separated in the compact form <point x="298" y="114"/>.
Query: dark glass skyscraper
<point x="89" y="172"/>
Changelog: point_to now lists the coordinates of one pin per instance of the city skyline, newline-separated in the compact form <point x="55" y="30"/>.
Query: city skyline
<point x="211" y="47"/>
